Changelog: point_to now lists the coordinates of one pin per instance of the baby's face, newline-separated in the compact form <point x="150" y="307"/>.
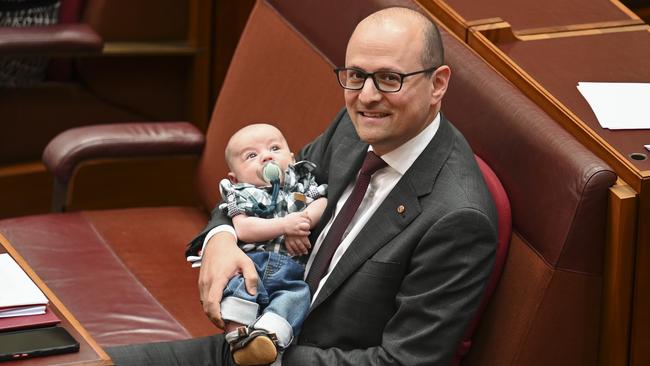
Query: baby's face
<point x="254" y="146"/>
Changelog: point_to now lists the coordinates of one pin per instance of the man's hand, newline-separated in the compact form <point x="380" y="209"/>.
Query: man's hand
<point x="297" y="244"/>
<point x="222" y="260"/>
<point x="297" y="224"/>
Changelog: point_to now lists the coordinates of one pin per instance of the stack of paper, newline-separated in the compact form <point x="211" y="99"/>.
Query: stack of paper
<point x="619" y="105"/>
<point x="19" y="295"/>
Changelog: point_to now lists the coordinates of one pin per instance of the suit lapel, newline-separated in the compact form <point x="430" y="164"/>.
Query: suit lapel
<point x="346" y="162"/>
<point x="387" y="222"/>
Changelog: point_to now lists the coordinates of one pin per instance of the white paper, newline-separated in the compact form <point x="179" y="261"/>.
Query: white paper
<point x="23" y="311"/>
<point x="619" y="105"/>
<point x="17" y="290"/>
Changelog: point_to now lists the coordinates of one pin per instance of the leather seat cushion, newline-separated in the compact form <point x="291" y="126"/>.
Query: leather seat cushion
<point x="120" y="272"/>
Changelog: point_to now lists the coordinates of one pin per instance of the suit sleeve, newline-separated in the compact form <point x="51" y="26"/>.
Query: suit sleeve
<point x="437" y="298"/>
<point x="217" y="217"/>
<point x="319" y="150"/>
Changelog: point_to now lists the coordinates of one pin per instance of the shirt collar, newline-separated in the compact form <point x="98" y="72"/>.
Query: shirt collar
<point x="404" y="156"/>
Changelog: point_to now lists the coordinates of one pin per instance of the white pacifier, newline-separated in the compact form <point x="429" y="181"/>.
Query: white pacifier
<point x="270" y="172"/>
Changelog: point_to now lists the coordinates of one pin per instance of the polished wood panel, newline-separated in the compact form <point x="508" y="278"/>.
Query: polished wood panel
<point x="640" y="337"/>
<point x="618" y="275"/>
<point x="201" y="18"/>
<point x="545" y="16"/>
<point x="25" y="189"/>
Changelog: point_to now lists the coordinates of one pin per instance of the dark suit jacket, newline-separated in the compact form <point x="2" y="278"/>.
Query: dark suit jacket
<point x="408" y="285"/>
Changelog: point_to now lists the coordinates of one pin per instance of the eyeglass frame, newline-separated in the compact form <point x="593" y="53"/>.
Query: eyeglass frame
<point x="371" y="75"/>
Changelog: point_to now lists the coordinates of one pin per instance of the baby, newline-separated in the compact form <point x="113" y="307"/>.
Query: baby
<point x="273" y="203"/>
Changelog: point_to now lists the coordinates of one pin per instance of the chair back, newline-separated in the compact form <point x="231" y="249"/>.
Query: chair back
<point x="275" y="77"/>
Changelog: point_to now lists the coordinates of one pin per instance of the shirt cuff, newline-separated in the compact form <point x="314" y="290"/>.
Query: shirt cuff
<point x="196" y="259"/>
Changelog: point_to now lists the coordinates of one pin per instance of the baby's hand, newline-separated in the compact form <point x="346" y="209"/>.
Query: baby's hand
<point x="297" y="245"/>
<point x="297" y="224"/>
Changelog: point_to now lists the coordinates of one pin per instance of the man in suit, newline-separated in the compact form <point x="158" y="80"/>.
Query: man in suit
<point x="407" y="276"/>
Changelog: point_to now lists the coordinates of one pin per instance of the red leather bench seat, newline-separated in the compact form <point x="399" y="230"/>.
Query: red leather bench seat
<point x="120" y="272"/>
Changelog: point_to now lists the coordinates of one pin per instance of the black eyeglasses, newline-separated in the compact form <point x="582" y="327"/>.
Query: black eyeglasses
<point x="385" y="81"/>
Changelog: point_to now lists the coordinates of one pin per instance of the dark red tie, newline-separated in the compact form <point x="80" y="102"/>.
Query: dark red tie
<point x="321" y="262"/>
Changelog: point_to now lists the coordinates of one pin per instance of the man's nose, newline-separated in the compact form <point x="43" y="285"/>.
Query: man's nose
<point x="369" y="92"/>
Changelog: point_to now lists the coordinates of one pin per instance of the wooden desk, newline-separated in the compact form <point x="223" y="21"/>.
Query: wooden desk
<point x="531" y="17"/>
<point x="548" y="68"/>
<point x="90" y="353"/>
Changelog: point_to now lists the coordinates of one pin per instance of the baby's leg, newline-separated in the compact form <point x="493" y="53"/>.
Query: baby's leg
<point x="240" y="311"/>
<point x="253" y="347"/>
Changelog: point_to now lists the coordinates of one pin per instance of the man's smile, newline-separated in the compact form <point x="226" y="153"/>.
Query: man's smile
<point x="370" y="114"/>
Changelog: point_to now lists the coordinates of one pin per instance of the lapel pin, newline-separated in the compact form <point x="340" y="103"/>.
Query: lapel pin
<point x="401" y="209"/>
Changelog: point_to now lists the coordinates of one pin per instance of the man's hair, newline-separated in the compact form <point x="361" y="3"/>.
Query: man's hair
<point x="433" y="53"/>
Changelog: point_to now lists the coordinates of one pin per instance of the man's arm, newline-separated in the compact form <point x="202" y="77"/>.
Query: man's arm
<point x="217" y="218"/>
<point x="222" y="259"/>
<point x="319" y="150"/>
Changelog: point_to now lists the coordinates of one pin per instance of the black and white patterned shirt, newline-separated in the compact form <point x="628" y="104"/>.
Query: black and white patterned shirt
<point x="299" y="190"/>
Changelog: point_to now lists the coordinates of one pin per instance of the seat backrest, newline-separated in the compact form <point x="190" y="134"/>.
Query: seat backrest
<point x="275" y="76"/>
<point x="545" y="309"/>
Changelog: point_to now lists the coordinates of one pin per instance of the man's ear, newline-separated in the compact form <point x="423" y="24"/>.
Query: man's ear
<point x="293" y="158"/>
<point x="440" y="80"/>
<point x="232" y="178"/>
